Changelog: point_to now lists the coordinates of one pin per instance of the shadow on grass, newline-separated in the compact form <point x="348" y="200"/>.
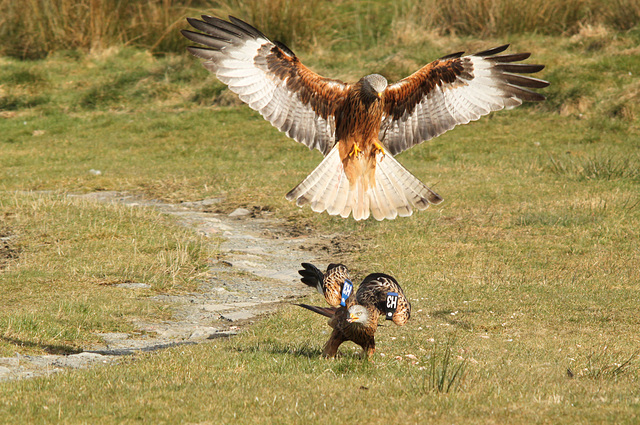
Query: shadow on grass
<point x="47" y="348"/>
<point x="276" y="348"/>
<point x="310" y="352"/>
<point x="447" y="316"/>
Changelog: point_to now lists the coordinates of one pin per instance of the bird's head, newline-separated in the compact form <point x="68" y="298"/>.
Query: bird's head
<point x="374" y="85"/>
<point x="358" y="314"/>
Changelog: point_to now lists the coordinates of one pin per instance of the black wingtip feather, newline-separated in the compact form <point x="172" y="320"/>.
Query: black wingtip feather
<point x="205" y="40"/>
<point x="201" y="52"/>
<point x="515" y="57"/>
<point x="522" y="81"/>
<point x="247" y="27"/>
<point x="493" y="51"/>
<point x="451" y="56"/>
<point x="520" y="68"/>
<point x="284" y="48"/>
<point x="525" y="94"/>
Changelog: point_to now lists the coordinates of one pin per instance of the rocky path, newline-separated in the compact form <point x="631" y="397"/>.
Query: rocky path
<point x="256" y="271"/>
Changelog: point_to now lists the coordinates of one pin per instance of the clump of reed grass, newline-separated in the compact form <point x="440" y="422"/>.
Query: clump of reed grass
<point x="442" y="372"/>
<point x="604" y="365"/>
<point x="31" y="29"/>
<point x="597" y="167"/>
<point x="35" y="28"/>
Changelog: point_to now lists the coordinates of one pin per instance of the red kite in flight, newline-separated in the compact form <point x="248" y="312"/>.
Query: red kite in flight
<point x="355" y="317"/>
<point x="360" y="127"/>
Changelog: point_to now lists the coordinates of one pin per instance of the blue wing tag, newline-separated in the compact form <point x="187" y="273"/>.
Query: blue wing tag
<point x="347" y="289"/>
<point x="392" y="304"/>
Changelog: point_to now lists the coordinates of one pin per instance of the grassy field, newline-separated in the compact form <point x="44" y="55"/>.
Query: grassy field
<point x="526" y="277"/>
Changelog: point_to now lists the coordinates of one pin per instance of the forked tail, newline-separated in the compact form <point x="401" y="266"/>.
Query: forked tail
<point x="393" y="192"/>
<point x="325" y="311"/>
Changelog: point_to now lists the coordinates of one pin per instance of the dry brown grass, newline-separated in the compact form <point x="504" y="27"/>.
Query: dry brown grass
<point x="89" y="24"/>
<point x="152" y="24"/>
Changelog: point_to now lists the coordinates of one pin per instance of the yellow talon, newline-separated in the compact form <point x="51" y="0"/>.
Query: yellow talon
<point x="377" y="147"/>
<point x="355" y="151"/>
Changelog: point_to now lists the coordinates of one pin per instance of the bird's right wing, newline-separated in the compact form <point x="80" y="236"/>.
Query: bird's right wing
<point x="270" y="79"/>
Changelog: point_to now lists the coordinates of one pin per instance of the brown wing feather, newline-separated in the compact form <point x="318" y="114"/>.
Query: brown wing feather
<point x="270" y="79"/>
<point x="454" y="90"/>
<point x="372" y="292"/>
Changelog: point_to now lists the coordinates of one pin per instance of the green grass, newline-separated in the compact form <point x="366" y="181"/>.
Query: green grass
<point x="527" y="271"/>
<point x="62" y="258"/>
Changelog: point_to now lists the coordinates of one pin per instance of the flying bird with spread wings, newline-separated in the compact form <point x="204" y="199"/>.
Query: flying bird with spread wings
<point x="354" y="317"/>
<point x="360" y="127"/>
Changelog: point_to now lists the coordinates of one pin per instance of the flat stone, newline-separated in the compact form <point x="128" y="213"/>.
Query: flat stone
<point x="76" y="361"/>
<point x="203" y="333"/>
<point x="215" y="307"/>
<point x="204" y="203"/>
<point x="110" y="337"/>
<point x="244" y="304"/>
<point x="9" y="361"/>
<point x="236" y="316"/>
<point x="240" y="212"/>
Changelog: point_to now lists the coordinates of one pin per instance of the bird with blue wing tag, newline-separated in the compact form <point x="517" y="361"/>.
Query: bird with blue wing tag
<point x="355" y="318"/>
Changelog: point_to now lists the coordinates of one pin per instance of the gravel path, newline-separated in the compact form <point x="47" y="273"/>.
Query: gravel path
<point x="255" y="273"/>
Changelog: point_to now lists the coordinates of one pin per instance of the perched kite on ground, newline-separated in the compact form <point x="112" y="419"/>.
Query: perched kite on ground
<point x="354" y="317"/>
<point x="360" y="127"/>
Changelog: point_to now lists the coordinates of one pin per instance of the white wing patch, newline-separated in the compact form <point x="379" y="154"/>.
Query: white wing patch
<point x="239" y="59"/>
<point x="466" y="99"/>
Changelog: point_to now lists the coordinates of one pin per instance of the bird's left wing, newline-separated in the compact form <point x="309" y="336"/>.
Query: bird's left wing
<point x="454" y="90"/>
<point x="374" y="291"/>
<point x="270" y="79"/>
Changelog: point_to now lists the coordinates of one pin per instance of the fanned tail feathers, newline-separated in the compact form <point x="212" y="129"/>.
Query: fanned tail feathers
<point x="394" y="191"/>
<point x="312" y="276"/>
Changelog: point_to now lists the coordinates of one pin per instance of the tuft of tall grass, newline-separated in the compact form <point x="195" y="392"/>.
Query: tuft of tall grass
<point x="604" y="365"/>
<point x="52" y="25"/>
<point x="32" y="29"/>
<point x="442" y="373"/>
<point x="598" y="167"/>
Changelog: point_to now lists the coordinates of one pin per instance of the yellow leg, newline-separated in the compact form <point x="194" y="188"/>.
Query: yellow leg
<point x="355" y="151"/>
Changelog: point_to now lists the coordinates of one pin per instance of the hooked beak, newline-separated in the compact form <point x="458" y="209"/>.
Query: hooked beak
<point x="352" y="318"/>
<point x="380" y="95"/>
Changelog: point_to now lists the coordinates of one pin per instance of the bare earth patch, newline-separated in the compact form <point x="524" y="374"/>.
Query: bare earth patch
<point x="255" y="271"/>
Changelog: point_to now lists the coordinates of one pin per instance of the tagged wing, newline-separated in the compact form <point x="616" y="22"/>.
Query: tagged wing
<point x="334" y="279"/>
<point x="270" y="79"/>
<point x="454" y="90"/>
<point x="373" y="292"/>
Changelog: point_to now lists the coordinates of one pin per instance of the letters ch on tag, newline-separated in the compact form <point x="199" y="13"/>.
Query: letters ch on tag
<point x="392" y="304"/>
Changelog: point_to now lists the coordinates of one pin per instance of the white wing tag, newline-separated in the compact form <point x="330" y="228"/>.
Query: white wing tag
<point x="392" y="304"/>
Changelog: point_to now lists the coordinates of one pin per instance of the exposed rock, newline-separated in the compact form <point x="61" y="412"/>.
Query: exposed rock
<point x="240" y="212"/>
<point x="255" y="271"/>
